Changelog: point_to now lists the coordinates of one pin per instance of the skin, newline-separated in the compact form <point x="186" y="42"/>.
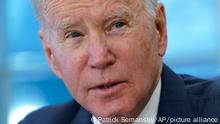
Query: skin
<point x="91" y="42"/>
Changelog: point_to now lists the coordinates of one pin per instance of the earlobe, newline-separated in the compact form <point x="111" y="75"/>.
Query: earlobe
<point x="160" y="23"/>
<point x="54" y="66"/>
<point x="49" y="55"/>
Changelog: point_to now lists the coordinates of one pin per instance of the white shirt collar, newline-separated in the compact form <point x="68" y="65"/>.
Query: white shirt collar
<point x="149" y="113"/>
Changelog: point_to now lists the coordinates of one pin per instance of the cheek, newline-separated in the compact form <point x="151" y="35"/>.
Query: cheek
<point x="71" y="68"/>
<point x="140" y="57"/>
<point x="138" y="51"/>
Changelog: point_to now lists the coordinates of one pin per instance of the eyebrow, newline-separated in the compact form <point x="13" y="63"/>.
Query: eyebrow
<point x="62" y="26"/>
<point x="67" y="24"/>
<point x="118" y="14"/>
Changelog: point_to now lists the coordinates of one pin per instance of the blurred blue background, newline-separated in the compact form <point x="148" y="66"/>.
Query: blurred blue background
<point x="27" y="83"/>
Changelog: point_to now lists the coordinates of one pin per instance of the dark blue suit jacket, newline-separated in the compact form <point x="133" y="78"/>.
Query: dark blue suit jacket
<point x="182" y="96"/>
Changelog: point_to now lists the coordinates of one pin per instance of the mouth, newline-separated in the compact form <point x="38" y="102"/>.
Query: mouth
<point x="109" y="88"/>
<point x="107" y="85"/>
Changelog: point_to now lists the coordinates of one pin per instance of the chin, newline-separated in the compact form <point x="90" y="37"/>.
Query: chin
<point x="113" y="110"/>
<point x="122" y="105"/>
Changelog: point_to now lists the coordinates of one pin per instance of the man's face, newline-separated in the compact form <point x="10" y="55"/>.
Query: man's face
<point x="106" y="51"/>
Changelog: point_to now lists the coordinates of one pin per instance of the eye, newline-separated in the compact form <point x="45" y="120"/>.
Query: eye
<point x="118" y="24"/>
<point x="73" y="34"/>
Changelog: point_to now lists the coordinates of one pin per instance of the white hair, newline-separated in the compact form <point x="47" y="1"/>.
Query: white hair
<point x="150" y="7"/>
<point x="38" y="6"/>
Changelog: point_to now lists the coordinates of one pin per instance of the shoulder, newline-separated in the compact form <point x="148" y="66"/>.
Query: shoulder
<point x="201" y="88"/>
<point x="203" y="94"/>
<point x="54" y="114"/>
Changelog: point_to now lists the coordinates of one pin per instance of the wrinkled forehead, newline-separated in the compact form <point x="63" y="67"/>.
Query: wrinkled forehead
<point x="50" y="5"/>
<point x="54" y="9"/>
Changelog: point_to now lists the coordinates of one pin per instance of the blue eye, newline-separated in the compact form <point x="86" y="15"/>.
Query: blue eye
<point x="73" y="35"/>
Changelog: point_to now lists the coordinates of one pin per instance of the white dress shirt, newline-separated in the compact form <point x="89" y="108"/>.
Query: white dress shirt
<point x="149" y="113"/>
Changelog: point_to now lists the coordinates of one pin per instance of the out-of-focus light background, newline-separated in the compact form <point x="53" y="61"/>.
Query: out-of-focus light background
<point x="27" y="83"/>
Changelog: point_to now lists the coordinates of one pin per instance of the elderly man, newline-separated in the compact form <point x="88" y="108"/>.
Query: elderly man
<point x="109" y="54"/>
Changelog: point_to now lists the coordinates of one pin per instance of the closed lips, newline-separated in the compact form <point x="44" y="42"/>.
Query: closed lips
<point x="107" y="85"/>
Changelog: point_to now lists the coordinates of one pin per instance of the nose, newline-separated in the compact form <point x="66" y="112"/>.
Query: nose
<point x="100" y="55"/>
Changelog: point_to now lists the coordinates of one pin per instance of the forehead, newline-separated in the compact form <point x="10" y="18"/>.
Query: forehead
<point x="55" y="9"/>
<point x="53" y="5"/>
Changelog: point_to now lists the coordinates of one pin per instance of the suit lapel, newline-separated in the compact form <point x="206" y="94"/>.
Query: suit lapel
<point x="174" y="101"/>
<point x="82" y="117"/>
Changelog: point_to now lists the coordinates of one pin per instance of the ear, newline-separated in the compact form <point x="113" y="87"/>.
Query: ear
<point x="161" y="28"/>
<point x="49" y="54"/>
